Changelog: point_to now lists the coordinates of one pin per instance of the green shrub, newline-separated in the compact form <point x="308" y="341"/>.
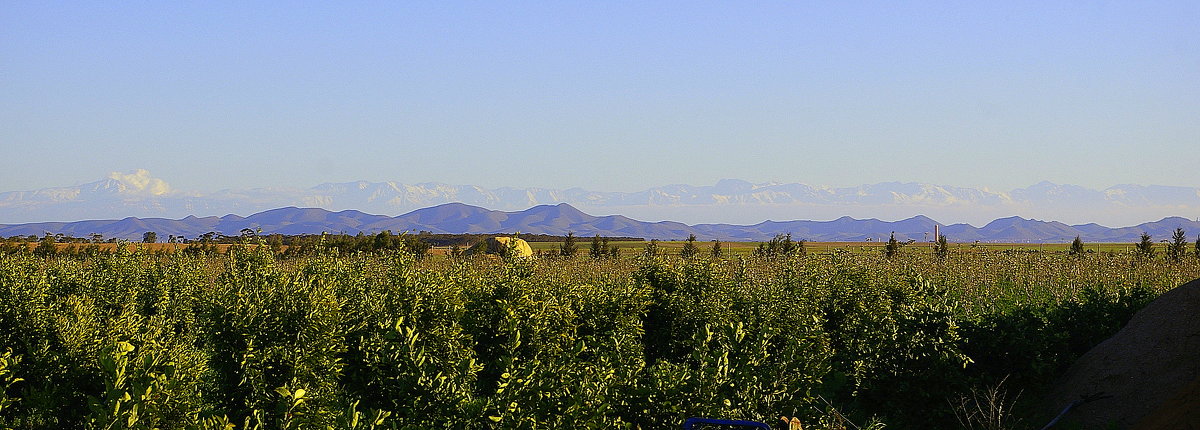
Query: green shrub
<point x="386" y="339"/>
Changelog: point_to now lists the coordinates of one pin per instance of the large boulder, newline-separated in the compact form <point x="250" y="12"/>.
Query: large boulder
<point x="500" y="245"/>
<point x="1149" y="370"/>
<point x="1180" y="412"/>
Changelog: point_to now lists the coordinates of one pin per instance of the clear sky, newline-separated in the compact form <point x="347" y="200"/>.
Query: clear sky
<point x="613" y="96"/>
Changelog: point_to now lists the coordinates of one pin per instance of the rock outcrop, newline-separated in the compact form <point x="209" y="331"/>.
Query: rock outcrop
<point x="1148" y="374"/>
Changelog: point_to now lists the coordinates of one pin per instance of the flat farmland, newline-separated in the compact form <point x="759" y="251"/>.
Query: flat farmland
<point x="747" y="248"/>
<point x="669" y="247"/>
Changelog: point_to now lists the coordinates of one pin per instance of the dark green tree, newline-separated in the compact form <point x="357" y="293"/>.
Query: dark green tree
<point x="598" y="247"/>
<point x="149" y="237"/>
<point x="1177" y="249"/>
<point x="1076" y="247"/>
<point x="689" y="247"/>
<point x="1197" y="246"/>
<point x="414" y="245"/>
<point x="46" y="247"/>
<point x="892" y="248"/>
<point x="1145" y="247"/>
<point x="204" y="244"/>
<point x="275" y="242"/>
<point x="942" y="248"/>
<point x="568" y="247"/>
<point x="780" y="245"/>
<point x="382" y="240"/>
<point x="715" y="252"/>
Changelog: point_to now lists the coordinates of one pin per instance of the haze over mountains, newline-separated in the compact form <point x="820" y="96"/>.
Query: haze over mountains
<point x="563" y="218"/>
<point x="139" y="194"/>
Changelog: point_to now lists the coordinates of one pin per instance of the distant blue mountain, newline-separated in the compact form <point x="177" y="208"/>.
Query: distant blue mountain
<point x="728" y="201"/>
<point x="562" y="218"/>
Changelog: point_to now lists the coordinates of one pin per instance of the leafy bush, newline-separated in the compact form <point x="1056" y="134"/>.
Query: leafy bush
<point x="389" y="340"/>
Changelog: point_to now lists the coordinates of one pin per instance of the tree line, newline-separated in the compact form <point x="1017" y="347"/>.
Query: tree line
<point x="421" y="242"/>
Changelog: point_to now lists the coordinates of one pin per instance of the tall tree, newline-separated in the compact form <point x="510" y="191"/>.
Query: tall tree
<point x="689" y="247"/>
<point x="716" y="249"/>
<point x="1145" y="247"/>
<point x="1177" y="249"/>
<point x="597" y="250"/>
<point x="1076" y="247"/>
<point x="892" y="248"/>
<point x="568" y="247"/>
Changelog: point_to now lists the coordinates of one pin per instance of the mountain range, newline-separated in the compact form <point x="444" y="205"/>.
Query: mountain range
<point x="563" y="218"/>
<point x="733" y="201"/>
<point x="730" y="201"/>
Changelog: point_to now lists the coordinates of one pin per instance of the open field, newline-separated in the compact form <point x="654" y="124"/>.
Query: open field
<point x="631" y="248"/>
<point x="747" y="248"/>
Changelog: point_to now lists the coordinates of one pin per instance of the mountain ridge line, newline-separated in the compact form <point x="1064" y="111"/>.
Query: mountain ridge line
<point x="559" y="219"/>
<point x="730" y="201"/>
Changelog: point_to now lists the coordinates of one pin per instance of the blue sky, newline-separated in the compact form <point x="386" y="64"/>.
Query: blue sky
<point x="615" y="96"/>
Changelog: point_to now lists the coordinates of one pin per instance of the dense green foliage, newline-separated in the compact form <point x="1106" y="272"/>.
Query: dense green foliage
<point x="1076" y="247"/>
<point x="1177" y="248"/>
<point x="1145" y="246"/>
<point x="601" y="249"/>
<point x="689" y="247"/>
<point x="568" y="247"/>
<point x="384" y="340"/>
<point x="941" y="248"/>
<point x="780" y="246"/>
<point x="892" y="247"/>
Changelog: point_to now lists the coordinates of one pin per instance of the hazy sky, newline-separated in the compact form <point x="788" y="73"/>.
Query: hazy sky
<point x="615" y="96"/>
